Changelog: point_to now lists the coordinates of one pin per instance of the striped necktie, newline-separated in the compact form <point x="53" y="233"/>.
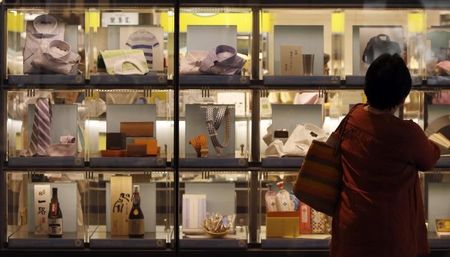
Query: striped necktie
<point x="40" y="136"/>
<point x="213" y="123"/>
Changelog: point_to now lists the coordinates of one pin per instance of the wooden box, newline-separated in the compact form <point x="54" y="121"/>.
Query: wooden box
<point x="121" y="187"/>
<point x="282" y="225"/>
<point x="115" y="141"/>
<point x="151" y="144"/>
<point x="136" y="150"/>
<point x="113" y="153"/>
<point x="42" y="196"/>
<point x="137" y="129"/>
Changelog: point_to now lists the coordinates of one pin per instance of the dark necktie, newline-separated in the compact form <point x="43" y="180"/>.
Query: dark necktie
<point x="40" y="136"/>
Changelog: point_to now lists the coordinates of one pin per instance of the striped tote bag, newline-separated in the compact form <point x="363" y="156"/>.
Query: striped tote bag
<point x="319" y="180"/>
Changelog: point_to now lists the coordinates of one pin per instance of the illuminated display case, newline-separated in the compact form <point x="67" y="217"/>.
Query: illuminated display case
<point x="206" y="109"/>
<point x="45" y="45"/>
<point x="111" y="202"/>
<point x="28" y="198"/>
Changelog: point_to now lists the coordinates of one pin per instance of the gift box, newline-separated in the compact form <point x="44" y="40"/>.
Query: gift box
<point x="319" y="222"/>
<point x="137" y="129"/>
<point x="151" y="144"/>
<point x="120" y="204"/>
<point x="282" y="225"/>
<point x="115" y="141"/>
<point x="113" y="153"/>
<point x="291" y="60"/>
<point x="136" y="150"/>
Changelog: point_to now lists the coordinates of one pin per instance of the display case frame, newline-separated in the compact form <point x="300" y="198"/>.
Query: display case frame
<point x="257" y="88"/>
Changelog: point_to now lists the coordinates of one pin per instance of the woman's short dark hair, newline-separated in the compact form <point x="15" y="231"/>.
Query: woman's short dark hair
<point x="388" y="82"/>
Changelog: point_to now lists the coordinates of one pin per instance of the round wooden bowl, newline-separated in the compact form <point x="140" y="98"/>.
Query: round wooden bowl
<point x="215" y="234"/>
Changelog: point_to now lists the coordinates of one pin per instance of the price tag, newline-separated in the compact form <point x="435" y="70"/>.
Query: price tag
<point x="119" y="18"/>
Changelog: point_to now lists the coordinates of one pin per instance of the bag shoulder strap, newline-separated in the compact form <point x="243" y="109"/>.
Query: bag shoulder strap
<point x="341" y="128"/>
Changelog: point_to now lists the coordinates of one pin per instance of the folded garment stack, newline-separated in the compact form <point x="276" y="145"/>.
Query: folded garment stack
<point x="45" y="50"/>
<point x="224" y="60"/>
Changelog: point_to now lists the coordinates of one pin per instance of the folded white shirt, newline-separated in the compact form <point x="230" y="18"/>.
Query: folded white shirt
<point x="57" y="57"/>
<point x="298" y="142"/>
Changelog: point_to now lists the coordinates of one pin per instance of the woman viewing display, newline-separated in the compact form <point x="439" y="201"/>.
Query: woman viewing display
<point x="380" y="211"/>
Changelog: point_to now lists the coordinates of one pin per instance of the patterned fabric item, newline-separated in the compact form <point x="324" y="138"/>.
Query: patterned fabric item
<point x="40" y="136"/>
<point x="320" y="222"/>
<point x="270" y="197"/>
<point x="214" y="117"/>
<point x="283" y="201"/>
<point x="146" y="41"/>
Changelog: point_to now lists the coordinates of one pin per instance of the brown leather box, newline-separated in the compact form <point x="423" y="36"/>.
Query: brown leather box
<point x="151" y="143"/>
<point x="115" y="141"/>
<point x="137" y="129"/>
<point x="113" y="153"/>
<point x="136" y="150"/>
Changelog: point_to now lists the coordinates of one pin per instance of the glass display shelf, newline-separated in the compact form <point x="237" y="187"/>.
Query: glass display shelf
<point x="45" y="162"/>
<point x="354" y="81"/>
<point x="21" y="239"/>
<point x="308" y="241"/>
<point x="281" y="163"/>
<point x="230" y="241"/>
<point x="440" y="82"/>
<point x="443" y="162"/>
<point x="213" y="81"/>
<point x="438" y="242"/>
<point x="127" y="162"/>
<point x="101" y="239"/>
<point x="147" y="80"/>
<point x="303" y="81"/>
<point x="213" y="162"/>
<point x="44" y="79"/>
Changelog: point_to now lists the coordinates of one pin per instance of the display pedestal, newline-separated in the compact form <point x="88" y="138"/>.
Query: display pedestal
<point x="124" y="162"/>
<point x="44" y="162"/>
<point x="24" y="239"/>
